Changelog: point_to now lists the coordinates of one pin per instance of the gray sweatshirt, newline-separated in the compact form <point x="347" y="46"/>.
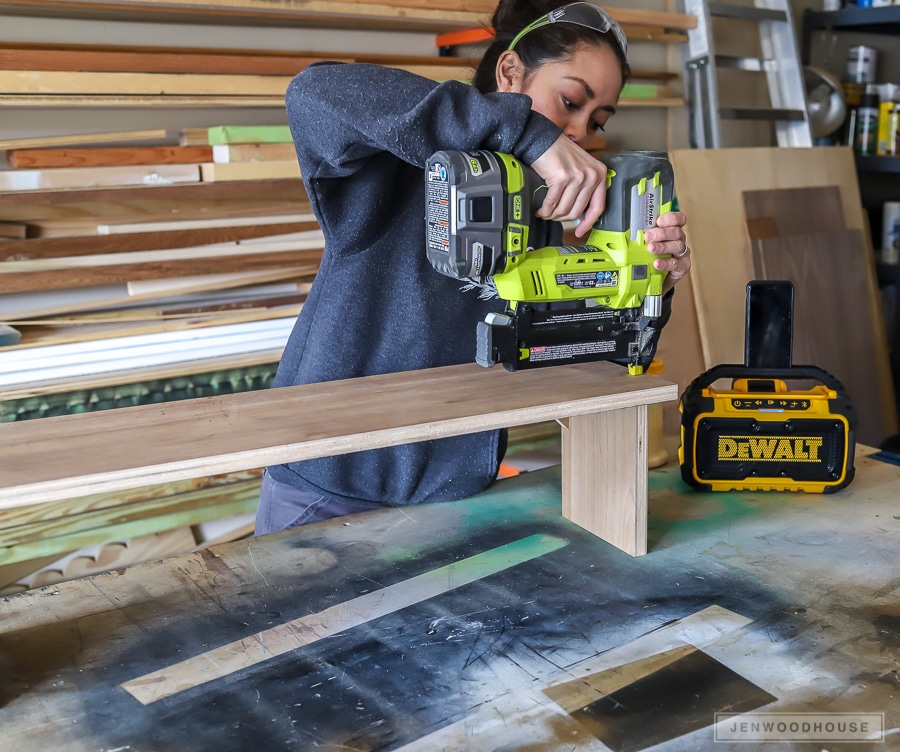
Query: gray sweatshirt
<point x="363" y="134"/>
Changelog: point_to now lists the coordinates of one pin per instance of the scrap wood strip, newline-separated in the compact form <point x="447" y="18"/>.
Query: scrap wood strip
<point x="159" y="240"/>
<point x="83" y="138"/>
<point x="429" y="15"/>
<point x="280" y="189"/>
<point x="154" y="270"/>
<point x="323" y="13"/>
<point x="49" y="388"/>
<point x="215" y="282"/>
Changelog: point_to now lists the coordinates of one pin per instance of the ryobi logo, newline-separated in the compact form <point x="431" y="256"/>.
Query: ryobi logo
<point x="795" y="449"/>
<point x="517" y="208"/>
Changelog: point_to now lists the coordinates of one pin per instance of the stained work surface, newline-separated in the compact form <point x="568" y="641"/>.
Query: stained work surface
<point x="488" y="624"/>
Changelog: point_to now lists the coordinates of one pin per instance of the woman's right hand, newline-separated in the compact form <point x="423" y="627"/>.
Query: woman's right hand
<point x="576" y="184"/>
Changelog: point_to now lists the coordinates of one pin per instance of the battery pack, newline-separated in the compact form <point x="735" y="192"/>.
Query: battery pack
<point x="761" y="435"/>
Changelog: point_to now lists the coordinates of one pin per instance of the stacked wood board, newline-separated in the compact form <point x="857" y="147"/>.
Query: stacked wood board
<point x="408" y="15"/>
<point x="35" y="75"/>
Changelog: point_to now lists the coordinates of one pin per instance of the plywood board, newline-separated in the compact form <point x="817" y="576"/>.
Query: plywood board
<point x="793" y="211"/>
<point x="149" y="240"/>
<point x="108" y="157"/>
<point x="40" y="142"/>
<point x="19" y="181"/>
<point x="832" y="329"/>
<point x="84" y="58"/>
<point x="150" y="84"/>
<point x="154" y="270"/>
<point x="710" y="184"/>
<point x="75" y="455"/>
<point x="171" y="288"/>
<point x="218" y="173"/>
<point x="252" y="152"/>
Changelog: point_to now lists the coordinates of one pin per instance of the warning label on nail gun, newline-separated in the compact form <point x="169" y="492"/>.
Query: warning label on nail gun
<point x="564" y="352"/>
<point x="582" y="280"/>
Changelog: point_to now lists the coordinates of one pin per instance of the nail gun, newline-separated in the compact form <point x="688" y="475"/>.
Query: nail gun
<point x="565" y="304"/>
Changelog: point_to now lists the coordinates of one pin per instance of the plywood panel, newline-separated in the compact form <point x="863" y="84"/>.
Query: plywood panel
<point x="76" y="455"/>
<point x="98" y="157"/>
<point x="832" y="329"/>
<point x="710" y="184"/>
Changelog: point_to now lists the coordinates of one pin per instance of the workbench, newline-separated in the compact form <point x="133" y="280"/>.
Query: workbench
<point x="485" y="624"/>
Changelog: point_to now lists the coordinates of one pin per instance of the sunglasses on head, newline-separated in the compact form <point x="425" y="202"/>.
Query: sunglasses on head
<point x="581" y="14"/>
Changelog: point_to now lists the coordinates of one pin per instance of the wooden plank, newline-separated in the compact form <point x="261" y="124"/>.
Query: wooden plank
<point x="52" y="458"/>
<point x="132" y="375"/>
<point x="417" y="14"/>
<point x="207" y="193"/>
<point x="240" y="171"/>
<point x="611" y="503"/>
<point x="193" y="285"/>
<point x="12" y="231"/>
<point x="324" y="13"/>
<point x="40" y="142"/>
<point x="118" y="60"/>
<point x="19" y="181"/>
<point x="120" y="101"/>
<point x="224" y="153"/>
<point x="311" y="239"/>
<point x="832" y="328"/>
<point x="794" y="211"/>
<point x="149" y="84"/>
<point x="109" y="157"/>
<point x="304" y="267"/>
<point x="130" y="241"/>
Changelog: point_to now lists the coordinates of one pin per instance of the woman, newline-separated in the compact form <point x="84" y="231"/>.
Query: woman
<point x="363" y="134"/>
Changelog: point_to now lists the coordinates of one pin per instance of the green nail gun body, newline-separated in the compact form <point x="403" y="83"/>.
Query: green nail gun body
<point x="565" y="304"/>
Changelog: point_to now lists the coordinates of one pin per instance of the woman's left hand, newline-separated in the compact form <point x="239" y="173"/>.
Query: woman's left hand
<point x="668" y="238"/>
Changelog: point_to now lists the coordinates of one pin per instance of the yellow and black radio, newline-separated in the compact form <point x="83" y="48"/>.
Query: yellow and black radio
<point x="759" y="434"/>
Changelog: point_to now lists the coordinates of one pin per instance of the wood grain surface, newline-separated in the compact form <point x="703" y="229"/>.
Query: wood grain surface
<point x="90" y="453"/>
<point x="109" y="157"/>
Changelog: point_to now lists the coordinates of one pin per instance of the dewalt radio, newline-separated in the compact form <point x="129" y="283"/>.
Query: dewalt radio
<point x="759" y="435"/>
<point x="565" y="304"/>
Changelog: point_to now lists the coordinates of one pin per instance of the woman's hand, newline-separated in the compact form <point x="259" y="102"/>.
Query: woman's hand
<point x="576" y="184"/>
<point x="668" y="237"/>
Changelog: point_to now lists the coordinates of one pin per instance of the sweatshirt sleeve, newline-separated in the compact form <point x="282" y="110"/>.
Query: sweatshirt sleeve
<point x="340" y="114"/>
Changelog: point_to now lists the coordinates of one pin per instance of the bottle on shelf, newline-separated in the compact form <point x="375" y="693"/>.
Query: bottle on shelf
<point x="865" y="140"/>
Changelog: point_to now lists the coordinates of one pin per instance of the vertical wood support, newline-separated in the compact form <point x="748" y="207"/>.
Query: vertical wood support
<point x="604" y="476"/>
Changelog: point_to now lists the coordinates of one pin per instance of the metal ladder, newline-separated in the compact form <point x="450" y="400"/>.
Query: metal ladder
<point x="780" y="61"/>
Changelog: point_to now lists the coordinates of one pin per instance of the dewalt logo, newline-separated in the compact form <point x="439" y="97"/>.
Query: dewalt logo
<point x="794" y="449"/>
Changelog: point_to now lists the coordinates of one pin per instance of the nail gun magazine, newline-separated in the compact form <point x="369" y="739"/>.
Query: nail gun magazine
<point x="564" y="304"/>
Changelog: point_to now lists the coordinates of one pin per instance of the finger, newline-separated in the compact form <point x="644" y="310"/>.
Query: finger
<point x="671" y="219"/>
<point x="595" y="207"/>
<point x="550" y="202"/>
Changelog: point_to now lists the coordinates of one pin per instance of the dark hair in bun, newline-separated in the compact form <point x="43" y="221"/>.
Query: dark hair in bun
<point x="552" y="42"/>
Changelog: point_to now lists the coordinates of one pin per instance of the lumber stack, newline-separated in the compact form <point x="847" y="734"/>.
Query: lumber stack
<point x="40" y="75"/>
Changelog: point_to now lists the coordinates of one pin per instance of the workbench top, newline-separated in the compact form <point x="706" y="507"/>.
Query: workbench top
<point x="491" y="623"/>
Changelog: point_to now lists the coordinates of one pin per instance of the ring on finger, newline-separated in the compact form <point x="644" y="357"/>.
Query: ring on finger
<point x="679" y="255"/>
